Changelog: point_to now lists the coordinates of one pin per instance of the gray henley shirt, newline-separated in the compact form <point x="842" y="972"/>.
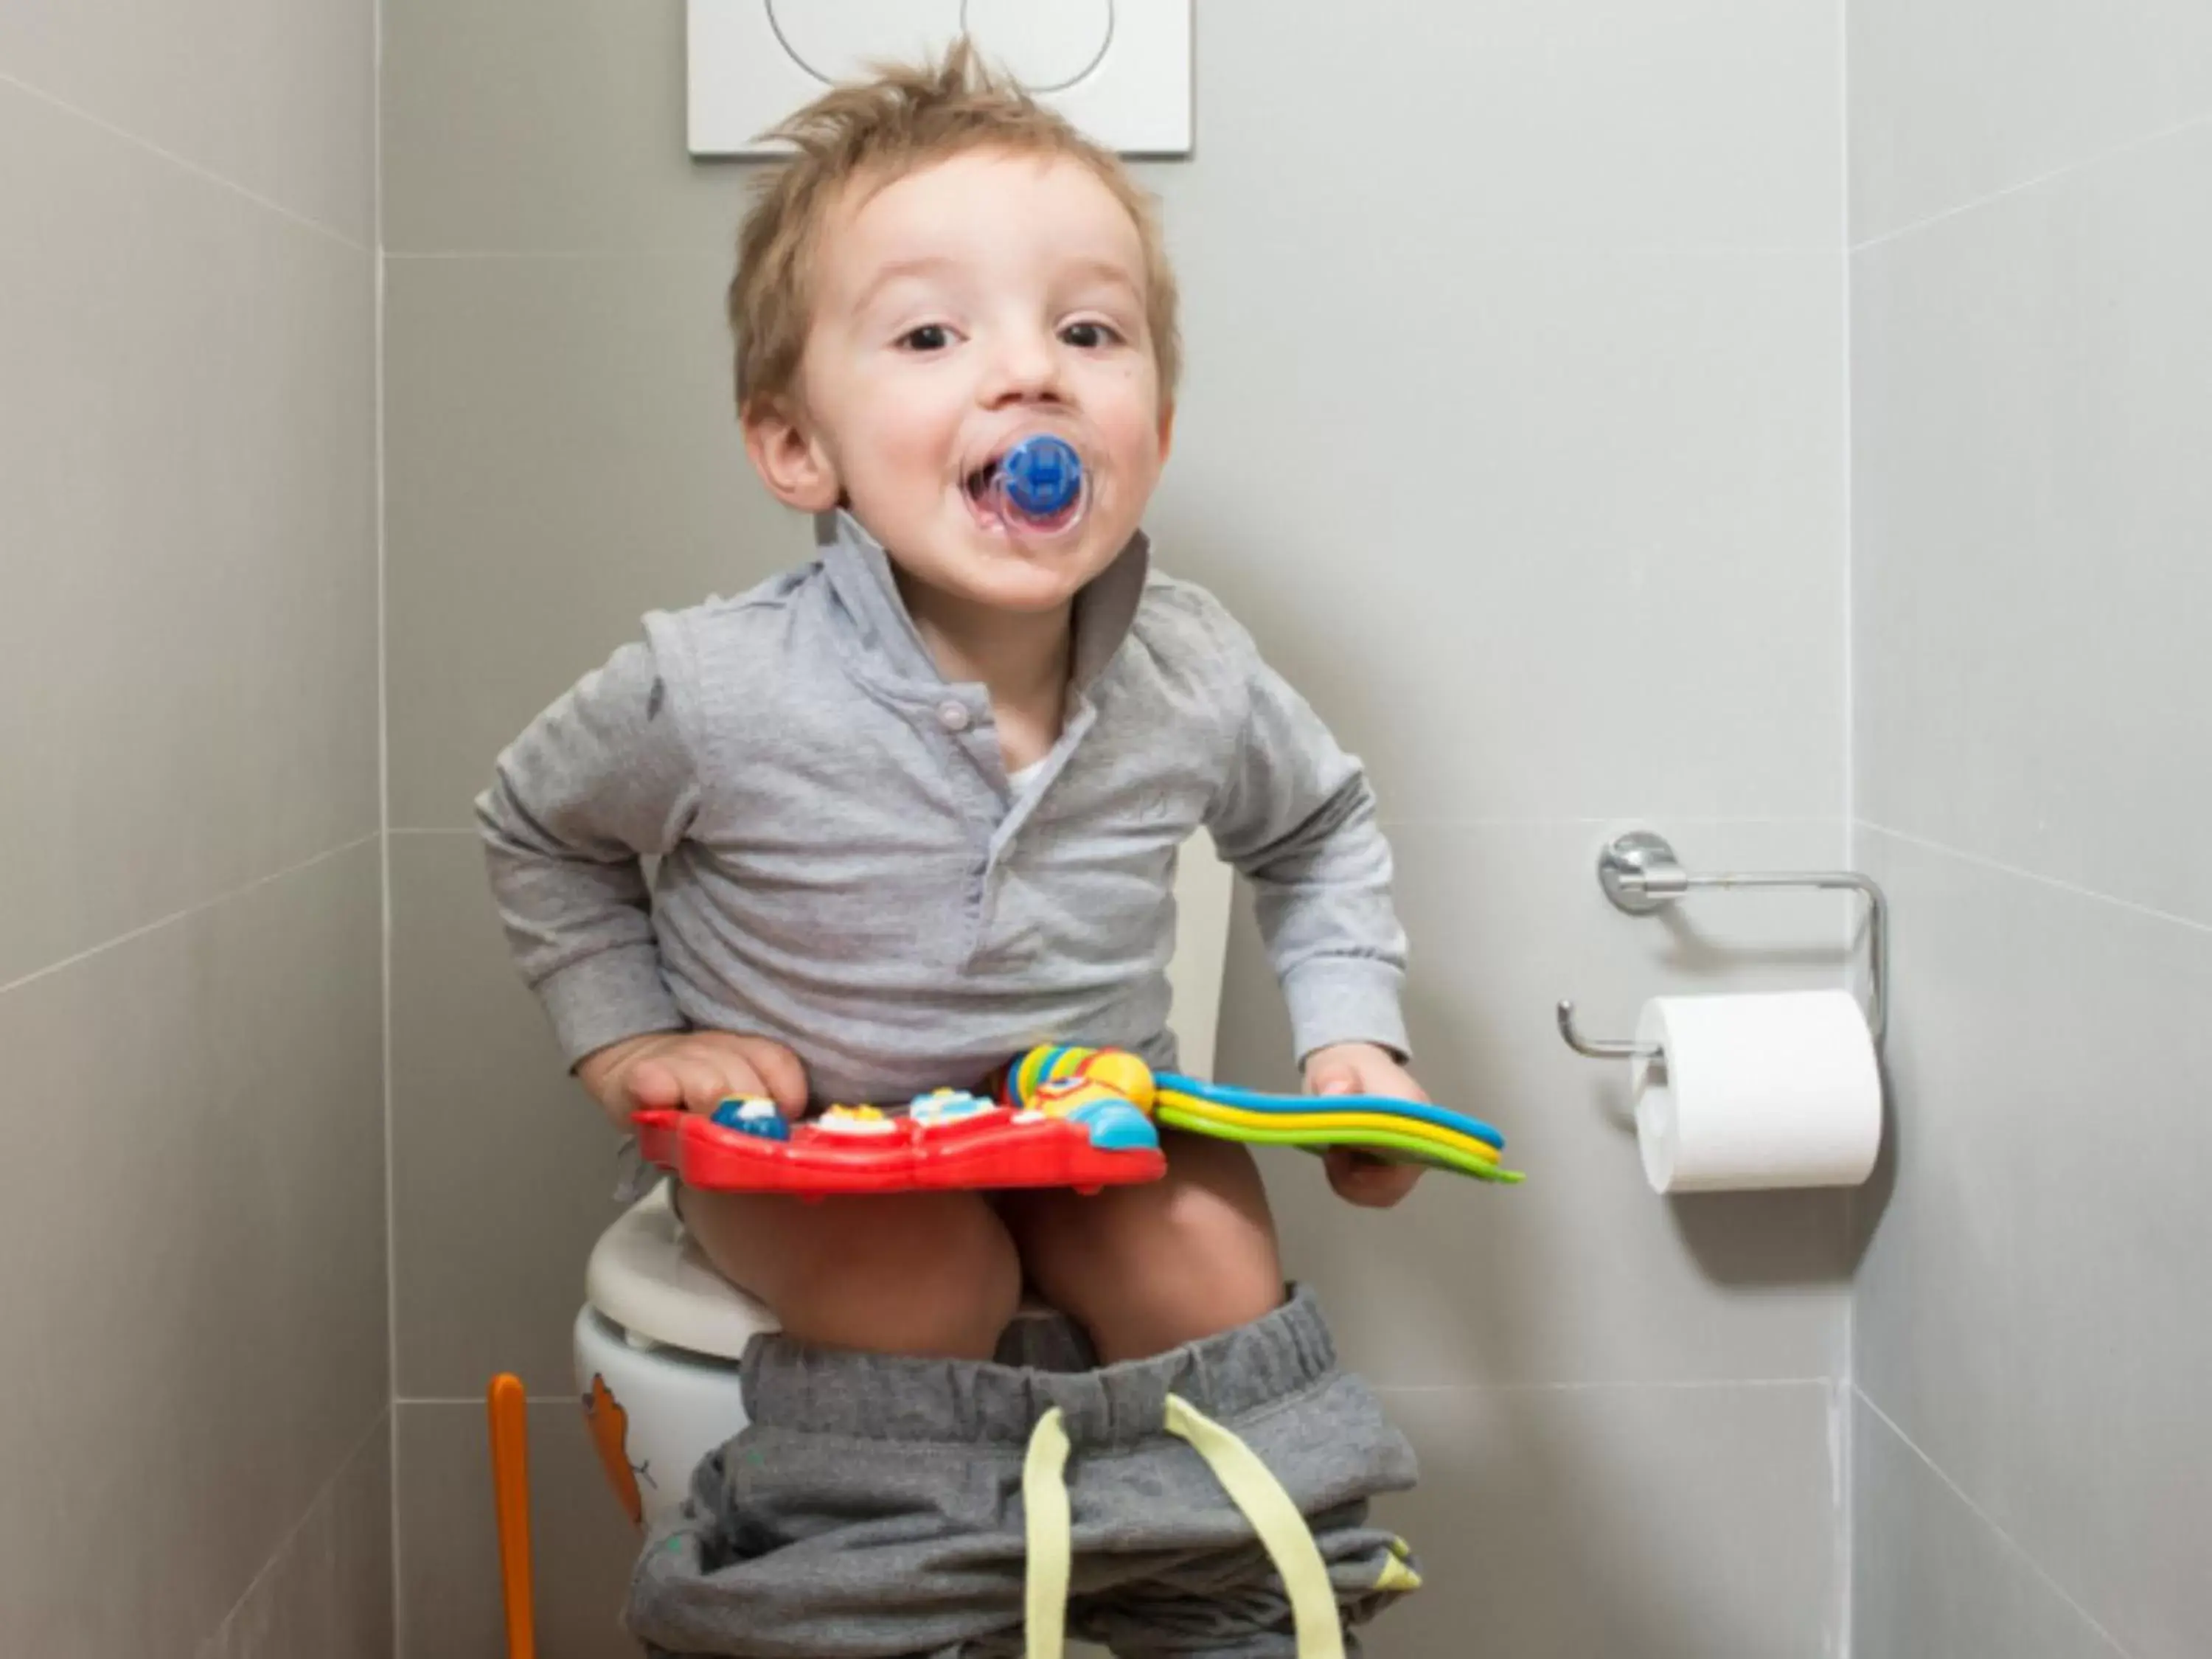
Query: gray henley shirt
<point x="843" y="865"/>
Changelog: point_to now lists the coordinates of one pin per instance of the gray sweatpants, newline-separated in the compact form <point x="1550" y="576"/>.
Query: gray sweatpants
<point x="873" y="1508"/>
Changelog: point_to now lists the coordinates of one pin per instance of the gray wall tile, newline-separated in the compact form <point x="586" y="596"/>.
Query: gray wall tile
<point x="2029" y="512"/>
<point x="1694" y="122"/>
<point x="188" y="631"/>
<point x="1932" y="1579"/>
<point x="503" y="1170"/>
<point x="192" y="1246"/>
<point x="1952" y="102"/>
<point x="1554" y="533"/>
<point x="1705" y="388"/>
<point x="2029" y="1308"/>
<point x="1606" y="122"/>
<point x="192" y="1214"/>
<point x="1593" y="1523"/>
<point x="561" y="456"/>
<point x="277" y="97"/>
<point x="327" y="1593"/>
<point x="1582" y="1274"/>
<point x="573" y="129"/>
<point x="583" y="1545"/>
<point x="2032" y="510"/>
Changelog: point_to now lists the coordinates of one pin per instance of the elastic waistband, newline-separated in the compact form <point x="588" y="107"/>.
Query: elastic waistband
<point x="790" y="1386"/>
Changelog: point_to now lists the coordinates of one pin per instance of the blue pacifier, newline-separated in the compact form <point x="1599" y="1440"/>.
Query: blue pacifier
<point x="1039" y="486"/>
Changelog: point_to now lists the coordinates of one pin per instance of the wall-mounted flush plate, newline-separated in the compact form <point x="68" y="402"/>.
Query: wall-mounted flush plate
<point x="1119" y="70"/>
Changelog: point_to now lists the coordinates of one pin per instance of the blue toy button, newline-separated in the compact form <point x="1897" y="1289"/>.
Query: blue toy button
<point x="753" y="1117"/>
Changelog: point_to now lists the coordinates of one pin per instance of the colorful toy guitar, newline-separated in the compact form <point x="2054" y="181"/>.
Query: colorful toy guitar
<point x="1084" y="1118"/>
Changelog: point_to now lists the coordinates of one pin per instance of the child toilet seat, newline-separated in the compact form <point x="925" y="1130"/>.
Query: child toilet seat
<point x="648" y="1277"/>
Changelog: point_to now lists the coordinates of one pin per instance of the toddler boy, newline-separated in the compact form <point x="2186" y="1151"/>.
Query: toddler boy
<point x="917" y="805"/>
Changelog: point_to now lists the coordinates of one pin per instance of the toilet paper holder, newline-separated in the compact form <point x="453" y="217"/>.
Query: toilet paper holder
<point x="1641" y="875"/>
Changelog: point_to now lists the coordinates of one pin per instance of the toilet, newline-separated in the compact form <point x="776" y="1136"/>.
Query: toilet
<point x="659" y="1338"/>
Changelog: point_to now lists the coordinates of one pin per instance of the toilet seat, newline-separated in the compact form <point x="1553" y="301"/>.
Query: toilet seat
<point x="648" y="1277"/>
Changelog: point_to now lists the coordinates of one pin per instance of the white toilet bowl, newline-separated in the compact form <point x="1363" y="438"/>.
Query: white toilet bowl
<point x="657" y="1347"/>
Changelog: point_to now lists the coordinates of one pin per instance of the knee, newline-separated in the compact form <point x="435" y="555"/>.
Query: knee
<point x="933" y="1274"/>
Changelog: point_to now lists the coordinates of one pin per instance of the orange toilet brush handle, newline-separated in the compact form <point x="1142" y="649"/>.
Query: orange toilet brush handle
<point x="505" y="1405"/>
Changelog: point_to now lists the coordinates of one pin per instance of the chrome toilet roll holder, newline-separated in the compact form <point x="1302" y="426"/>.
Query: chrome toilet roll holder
<point x="1642" y="875"/>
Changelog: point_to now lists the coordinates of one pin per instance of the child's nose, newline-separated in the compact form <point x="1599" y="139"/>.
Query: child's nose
<point x="1024" y="368"/>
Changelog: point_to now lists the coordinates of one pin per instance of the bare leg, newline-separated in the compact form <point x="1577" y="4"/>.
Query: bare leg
<point x="927" y="1274"/>
<point x="1147" y="1268"/>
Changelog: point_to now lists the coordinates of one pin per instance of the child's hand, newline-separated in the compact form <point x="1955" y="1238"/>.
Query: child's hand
<point x="695" y="1070"/>
<point x="1361" y="1068"/>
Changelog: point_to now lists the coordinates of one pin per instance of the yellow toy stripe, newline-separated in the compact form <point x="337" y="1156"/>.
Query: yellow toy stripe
<point x="1191" y="1109"/>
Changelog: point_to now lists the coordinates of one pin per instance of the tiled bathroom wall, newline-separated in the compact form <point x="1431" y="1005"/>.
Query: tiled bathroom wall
<point x="2032" y="245"/>
<point x="196" y="1441"/>
<point x="1514" y="427"/>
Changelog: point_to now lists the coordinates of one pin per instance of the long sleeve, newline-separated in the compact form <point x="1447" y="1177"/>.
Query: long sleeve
<point x="598" y="779"/>
<point x="1297" y="816"/>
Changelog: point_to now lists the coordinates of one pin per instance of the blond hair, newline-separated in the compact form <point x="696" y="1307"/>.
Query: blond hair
<point x="880" y="130"/>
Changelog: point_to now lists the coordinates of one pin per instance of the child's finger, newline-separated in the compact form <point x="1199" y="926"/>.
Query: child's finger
<point x="781" y="1074"/>
<point x="709" y="1081"/>
<point x="1336" y="1077"/>
<point x="652" y="1086"/>
<point x="1347" y="1164"/>
<point x="1372" y="1182"/>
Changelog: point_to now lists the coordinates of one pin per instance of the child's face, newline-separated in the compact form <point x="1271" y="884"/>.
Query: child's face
<point x="976" y="300"/>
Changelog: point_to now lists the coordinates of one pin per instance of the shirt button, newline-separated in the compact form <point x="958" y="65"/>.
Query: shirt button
<point x="952" y="716"/>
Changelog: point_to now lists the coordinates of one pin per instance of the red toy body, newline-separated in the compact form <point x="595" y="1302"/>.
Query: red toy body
<point x="849" y="1150"/>
<point x="1067" y="1117"/>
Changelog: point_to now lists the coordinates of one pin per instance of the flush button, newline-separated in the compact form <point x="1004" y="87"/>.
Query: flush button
<point x="952" y="716"/>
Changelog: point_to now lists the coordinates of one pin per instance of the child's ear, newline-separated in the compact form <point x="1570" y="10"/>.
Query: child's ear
<point x="1167" y="431"/>
<point x="790" y="462"/>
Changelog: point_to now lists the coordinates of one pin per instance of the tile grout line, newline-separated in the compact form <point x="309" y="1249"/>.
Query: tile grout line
<point x="2081" y="164"/>
<point x="1705" y="1385"/>
<point x="1692" y="1386"/>
<point x="1984" y="1518"/>
<point x="1846" y="1478"/>
<point x="78" y="957"/>
<point x="384" y="809"/>
<point x="299" y="1523"/>
<point x="394" y="1590"/>
<point x="2001" y="868"/>
<point x="1713" y="1385"/>
<point x="206" y="174"/>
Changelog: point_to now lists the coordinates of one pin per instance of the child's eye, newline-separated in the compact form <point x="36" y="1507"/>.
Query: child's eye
<point x="930" y="336"/>
<point x="1089" y="337"/>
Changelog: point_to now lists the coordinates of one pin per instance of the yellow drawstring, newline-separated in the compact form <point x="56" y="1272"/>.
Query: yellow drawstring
<point x="1258" y="1496"/>
<point x="1044" y="1500"/>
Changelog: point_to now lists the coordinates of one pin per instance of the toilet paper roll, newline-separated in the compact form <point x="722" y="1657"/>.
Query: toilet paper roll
<point x="1776" y="1089"/>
